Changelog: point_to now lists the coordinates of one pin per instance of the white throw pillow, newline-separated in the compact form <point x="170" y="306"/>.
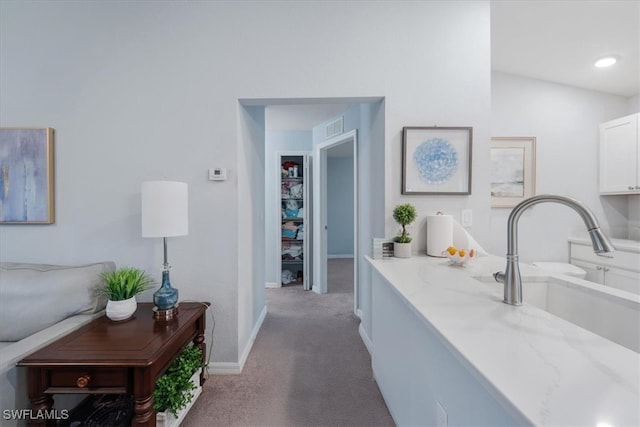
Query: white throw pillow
<point x="36" y="296"/>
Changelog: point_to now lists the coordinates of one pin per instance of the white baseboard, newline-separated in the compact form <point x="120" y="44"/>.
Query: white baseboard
<point x="235" y="368"/>
<point x="254" y="334"/>
<point x="272" y="285"/>
<point x="366" y="340"/>
<point x="224" y="368"/>
<point x="340" y="256"/>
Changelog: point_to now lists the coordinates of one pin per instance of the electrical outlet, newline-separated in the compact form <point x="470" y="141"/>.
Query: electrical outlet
<point x="442" y="420"/>
<point x="466" y="217"/>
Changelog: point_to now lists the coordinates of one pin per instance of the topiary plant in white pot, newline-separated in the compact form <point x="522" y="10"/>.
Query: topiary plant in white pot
<point x="404" y="215"/>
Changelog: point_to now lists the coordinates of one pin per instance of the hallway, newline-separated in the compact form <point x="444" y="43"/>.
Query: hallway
<point x="308" y="366"/>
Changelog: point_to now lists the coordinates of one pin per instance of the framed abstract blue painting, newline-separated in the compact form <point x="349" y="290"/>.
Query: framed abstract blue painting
<point x="26" y="176"/>
<point x="436" y="160"/>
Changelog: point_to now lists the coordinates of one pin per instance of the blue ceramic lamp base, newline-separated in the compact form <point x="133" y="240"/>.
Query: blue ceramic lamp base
<point x="165" y="299"/>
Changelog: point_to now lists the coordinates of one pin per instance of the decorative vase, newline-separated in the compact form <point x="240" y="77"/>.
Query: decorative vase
<point x="402" y="250"/>
<point x="166" y="297"/>
<point x="121" y="310"/>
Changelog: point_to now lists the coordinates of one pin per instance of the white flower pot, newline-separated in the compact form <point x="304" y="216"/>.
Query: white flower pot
<point x="402" y="250"/>
<point x="121" y="310"/>
<point x="167" y="419"/>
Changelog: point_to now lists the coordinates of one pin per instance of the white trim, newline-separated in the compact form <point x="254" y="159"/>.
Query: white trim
<point x="224" y="368"/>
<point x="340" y="256"/>
<point x="272" y="285"/>
<point x="254" y="334"/>
<point x="234" y="368"/>
<point x="359" y="313"/>
<point x="366" y="340"/>
<point x="319" y="212"/>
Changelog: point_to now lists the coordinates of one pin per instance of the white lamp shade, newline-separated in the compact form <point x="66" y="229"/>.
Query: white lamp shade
<point x="165" y="209"/>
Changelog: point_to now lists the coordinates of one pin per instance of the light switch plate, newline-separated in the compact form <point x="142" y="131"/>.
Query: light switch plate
<point x="466" y="218"/>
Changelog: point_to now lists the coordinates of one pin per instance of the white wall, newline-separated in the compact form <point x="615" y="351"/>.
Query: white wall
<point x="251" y="226"/>
<point x="634" y="105"/>
<point x="150" y="90"/>
<point x="565" y="122"/>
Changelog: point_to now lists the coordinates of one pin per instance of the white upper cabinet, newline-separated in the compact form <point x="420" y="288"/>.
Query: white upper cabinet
<point x="620" y="156"/>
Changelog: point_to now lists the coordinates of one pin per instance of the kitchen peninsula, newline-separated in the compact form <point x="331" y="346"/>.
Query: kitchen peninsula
<point x="447" y="350"/>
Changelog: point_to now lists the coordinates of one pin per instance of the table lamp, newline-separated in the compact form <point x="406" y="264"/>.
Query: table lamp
<point x="165" y="213"/>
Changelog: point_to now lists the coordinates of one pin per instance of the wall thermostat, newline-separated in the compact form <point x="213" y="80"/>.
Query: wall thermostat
<point x="217" y="174"/>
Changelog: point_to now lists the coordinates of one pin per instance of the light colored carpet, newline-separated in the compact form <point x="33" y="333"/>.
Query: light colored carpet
<point x="308" y="366"/>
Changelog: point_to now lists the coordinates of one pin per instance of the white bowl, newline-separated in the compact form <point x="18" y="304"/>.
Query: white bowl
<point x="456" y="259"/>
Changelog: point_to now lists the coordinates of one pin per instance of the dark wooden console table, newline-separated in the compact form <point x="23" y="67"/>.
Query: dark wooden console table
<point x="106" y="357"/>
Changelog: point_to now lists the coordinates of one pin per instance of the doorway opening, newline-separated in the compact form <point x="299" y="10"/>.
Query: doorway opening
<point x="336" y="209"/>
<point x="341" y="217"/>
<point x="364" y="114"/>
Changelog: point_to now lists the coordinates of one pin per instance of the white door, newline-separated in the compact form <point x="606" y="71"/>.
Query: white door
<point x="308" y="225"/>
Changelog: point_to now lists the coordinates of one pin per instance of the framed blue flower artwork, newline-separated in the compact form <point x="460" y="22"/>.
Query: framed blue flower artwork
<point x="436" y="160"/>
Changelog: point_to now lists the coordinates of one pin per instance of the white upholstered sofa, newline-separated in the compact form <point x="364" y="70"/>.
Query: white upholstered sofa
<point x="39" y="303"/>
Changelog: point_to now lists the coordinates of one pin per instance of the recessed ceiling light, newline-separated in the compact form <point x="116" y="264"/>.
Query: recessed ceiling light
<point x="607" y="61"/>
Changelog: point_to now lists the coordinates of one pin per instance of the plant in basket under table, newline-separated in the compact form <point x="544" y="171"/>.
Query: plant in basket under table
<point x="174" y="389"/>
<point x="121" y="287"/>
<point x="404" y="215"/>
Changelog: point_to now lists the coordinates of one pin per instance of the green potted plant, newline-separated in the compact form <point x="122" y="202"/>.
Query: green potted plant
<point x="404" y="215"/>
<point x="121" y="287"/>
<point x="178" y="387"/>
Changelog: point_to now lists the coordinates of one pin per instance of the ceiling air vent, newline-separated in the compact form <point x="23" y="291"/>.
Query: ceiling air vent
<point x="334" y="128"/>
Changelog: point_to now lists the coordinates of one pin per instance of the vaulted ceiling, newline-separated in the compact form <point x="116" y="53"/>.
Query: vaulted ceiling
<point x="551" y="40"/>
<point x="560" y="40"/>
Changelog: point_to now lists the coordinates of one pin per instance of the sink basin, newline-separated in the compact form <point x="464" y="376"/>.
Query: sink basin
<point x="611" y="313"/>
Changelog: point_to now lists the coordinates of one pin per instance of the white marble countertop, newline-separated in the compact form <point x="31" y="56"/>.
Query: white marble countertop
<point x="549" y="370"/>
<point x="620" y="244"/>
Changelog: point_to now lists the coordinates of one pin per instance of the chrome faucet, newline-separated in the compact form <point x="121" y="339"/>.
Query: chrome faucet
<point x="511" y="276"/>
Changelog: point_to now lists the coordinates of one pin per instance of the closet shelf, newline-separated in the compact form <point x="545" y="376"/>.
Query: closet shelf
<point x="294" y="250"/>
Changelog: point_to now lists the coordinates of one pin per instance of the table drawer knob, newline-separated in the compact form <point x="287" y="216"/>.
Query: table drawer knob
<point x="83" y="381"/>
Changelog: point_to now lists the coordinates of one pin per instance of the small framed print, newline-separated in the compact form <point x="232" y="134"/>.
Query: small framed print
<point x="513" y="170"/>
<point x="436" y="160"/>
<point x="26" y="176"/>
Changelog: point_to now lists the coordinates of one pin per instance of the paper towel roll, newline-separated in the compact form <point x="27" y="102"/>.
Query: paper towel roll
<point x="439" y="234"/>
